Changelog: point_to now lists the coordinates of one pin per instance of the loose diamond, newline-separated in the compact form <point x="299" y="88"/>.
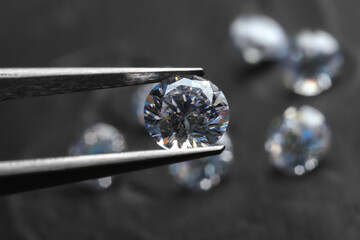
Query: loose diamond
<point x="298" y="141"/>
<point x="97" y="139"/>
<point x="313" y="63"/>
<point x="205" y="173"/>
<point x="186" y="112"/>
<point x="259" y="38"/>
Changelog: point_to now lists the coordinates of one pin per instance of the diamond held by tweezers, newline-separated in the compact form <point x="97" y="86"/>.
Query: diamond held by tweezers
<point x="186" y="112"/>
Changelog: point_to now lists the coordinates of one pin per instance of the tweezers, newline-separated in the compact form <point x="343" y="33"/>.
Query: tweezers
<point x="23" y="175"/>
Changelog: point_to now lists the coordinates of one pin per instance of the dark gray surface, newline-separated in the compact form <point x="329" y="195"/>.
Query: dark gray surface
<point x="254" y="202"/>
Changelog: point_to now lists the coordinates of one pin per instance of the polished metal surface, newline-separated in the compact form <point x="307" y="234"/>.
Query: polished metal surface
<point x="23" y="175"/>
<point x="16" y="83"/>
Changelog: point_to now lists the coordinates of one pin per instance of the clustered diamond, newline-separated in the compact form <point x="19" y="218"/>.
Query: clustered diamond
<point x="298" y="141"/>
<point x="97" y="139"/>
<point x="313" y="63"/>
<point x="259" y="38"/>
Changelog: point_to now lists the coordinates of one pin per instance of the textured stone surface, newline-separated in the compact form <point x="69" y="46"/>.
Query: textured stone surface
<point x="205" y="173"/>
<point x="298" y="141"/>
<point x="186" y="112"/>
<point x="313" y="63"/>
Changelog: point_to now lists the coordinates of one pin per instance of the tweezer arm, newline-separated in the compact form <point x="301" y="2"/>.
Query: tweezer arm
<point x="16" y="83"/>
<point x="24" y="175"/>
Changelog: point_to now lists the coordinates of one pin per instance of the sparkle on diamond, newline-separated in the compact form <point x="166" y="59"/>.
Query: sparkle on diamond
<point x="186" y="112"/>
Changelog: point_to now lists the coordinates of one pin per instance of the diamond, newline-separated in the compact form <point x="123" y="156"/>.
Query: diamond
<point x="205" y="173"/>
<point x="298" y="141"/>
<point x="97" y="139"/>
<point x="186" y="112"/>
<point x="138" y="101"/>
<point x="313" y="63"/>
<point x="258" y="38"/>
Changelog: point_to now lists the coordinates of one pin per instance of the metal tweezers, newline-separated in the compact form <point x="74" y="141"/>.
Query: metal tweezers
<point x="23" y="175"/>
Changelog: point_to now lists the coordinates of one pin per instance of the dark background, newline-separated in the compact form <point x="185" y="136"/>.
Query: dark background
<point x="254" y="202"/>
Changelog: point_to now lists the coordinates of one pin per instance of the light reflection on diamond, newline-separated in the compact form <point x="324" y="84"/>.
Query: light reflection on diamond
<point x="258" y="38"/>
<point x="299" y="170"/>
<point x="97" y="139"/>
<point x="205" y="173"/>
<point x="298" y="141"/>
<point x="313" y="63"/>
<point x="186" y="112"/>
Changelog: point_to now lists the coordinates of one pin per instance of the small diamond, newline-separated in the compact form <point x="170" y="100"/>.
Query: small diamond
<point x="259" y="38"/>
<point x="313" y="63"/>
<point x="205" y="173"/>
<point x="97" y="139"/>
<point x="186" y="112"/>
<point x="298" y="141"/>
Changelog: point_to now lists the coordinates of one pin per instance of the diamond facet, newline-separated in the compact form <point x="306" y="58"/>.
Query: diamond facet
<point x="205" y="173"/>
<point x="138" y="101"/>
<point x="298" y="141"/>
<point x="186" y="112"/>
<point x="259" y="38"/>
<point x="313" y="63"/>
<point x="97" y="139"/>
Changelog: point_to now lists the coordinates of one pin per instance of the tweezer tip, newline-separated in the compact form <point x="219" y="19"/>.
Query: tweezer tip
<point x="217" y="149"/>
<point x="210" y="150"/>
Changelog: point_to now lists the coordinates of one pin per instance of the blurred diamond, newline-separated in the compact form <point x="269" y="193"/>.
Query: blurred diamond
<point x="259" y="38"/>
<point x="313" y="63"/>
<point x="205" y="173"/>
<point x="298" y="141"/>
<point x="97" y="139"/>
<point x="186" y="112"/>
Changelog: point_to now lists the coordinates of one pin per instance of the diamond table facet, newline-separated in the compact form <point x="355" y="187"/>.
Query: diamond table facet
<point x="298" y="141"/>
<point x="186" y="112"/>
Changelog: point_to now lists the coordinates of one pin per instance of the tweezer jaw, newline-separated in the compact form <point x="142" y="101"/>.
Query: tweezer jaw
<point x="17" y="83"/>
<point x="24" y="175"/>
